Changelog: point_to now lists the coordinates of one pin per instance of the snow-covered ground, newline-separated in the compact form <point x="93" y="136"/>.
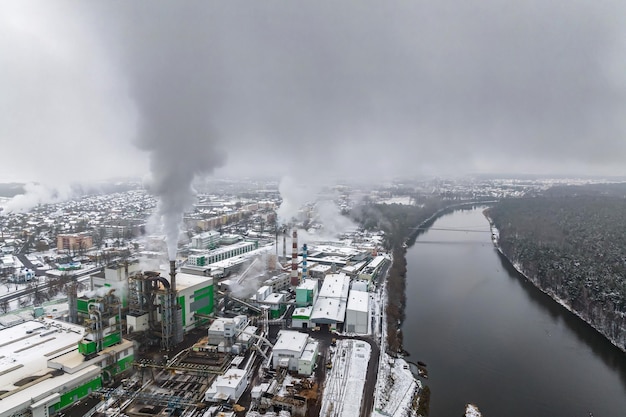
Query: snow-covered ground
<point x="472" y="411"/>
<point x="345" y="382"/>
<point x="396" y="387"/>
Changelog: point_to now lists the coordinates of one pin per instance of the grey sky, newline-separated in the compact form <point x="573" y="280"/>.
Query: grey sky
<point x="311" y="88"/>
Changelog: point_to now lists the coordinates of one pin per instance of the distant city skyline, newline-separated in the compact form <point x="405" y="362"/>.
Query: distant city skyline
<point x="313" y="90"/>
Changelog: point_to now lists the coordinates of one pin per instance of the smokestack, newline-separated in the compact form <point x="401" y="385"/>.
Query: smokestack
<point x="284" y="246"/>
<point x="305" y="251"/>
<point x="294" y="259"/>
<point x="173" y="278"/>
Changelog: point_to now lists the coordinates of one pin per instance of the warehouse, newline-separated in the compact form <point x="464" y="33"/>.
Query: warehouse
<point x="288" y="349"/>
<point x="330" y="307"/>
<point x="357" y="312"/>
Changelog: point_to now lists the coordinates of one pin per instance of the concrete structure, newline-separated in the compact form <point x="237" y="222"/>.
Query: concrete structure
<point x="288" y="349"/>
<point x="301" y="317"/>
<point x="195" y="294"/>
<point x="262" y="293"/>
<point x="227" y="387"/>
<point x="357" y="312"/>
<point x="206" y="240"/>
<point x="280" y="282"/>
<point x="319" y="271"/>
<point x="371" y="270"/>
<point x="306" y="293"/>
<point x="276" y="302"/>
<point x="308" y="359"/>
<point x="74" y="243"/>
<point x="359" y="285"/>
<point x="221" y="254"/>
<point x="225" y="329"/>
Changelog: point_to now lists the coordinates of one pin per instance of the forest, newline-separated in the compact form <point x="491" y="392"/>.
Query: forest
<point x="571" y="242"/>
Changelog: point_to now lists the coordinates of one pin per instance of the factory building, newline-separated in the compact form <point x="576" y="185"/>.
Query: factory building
<point x="42" y="372"/>
<point x="301" y="317"/>
<point x="294" y="351"/>
<point x="306" y="293"/>
<point x="330" y="307"/>
<point x="165" y="308"/>
<point x="372" y="269"/>
<point x="357" y="312"/>
<point x="306" y="364"/>
<point x="227" y="387"/>
<point x="276" y="303"/>
<point x="221" y="254"/>
<point x="195" y="295"/>
<point x="206" y="240"/>
<point x="224" y="329"/>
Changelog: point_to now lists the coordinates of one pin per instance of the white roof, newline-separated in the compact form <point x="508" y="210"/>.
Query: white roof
<point x="274" y="298"/>
<point x="376" y="261"/>
<point x="335" y="286"/>
<point x="26" y="346"/>
<point x="303" y="311"/>
<point x="308" y="284"/>
<point x="329" y="310"/>
<point x="309" y="351"/>
<point x="358" y="301"/>
<point x="291" y="340"/>
<point x="230" y="379"/>
<point x="24" y="354"/>
<point x="184" y="280"/>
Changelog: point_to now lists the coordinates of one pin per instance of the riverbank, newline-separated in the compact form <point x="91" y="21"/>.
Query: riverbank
<point x="495" y="233"/>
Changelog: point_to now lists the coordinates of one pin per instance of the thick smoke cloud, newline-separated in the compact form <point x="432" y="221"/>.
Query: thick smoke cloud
<point x="323" y="89"/>
<point x="164" y="54"/>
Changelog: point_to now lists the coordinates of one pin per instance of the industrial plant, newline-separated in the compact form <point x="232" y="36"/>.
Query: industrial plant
<point x="235" y="328"/>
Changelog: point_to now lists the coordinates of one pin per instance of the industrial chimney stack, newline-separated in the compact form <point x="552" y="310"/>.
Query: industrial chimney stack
<point x="294" y="260"/>
<point x="305" y="252"/>
<point x="173" y="276"/>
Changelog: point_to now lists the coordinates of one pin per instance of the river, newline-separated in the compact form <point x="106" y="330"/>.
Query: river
<point x="491" y="338"/>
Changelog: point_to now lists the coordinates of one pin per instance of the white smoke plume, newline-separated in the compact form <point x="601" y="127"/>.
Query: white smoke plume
<point x="36" y="194"/>
<point x="166" y="57"/>
<point x="298" y="193"/>
<point x="295" y="194"/>
<point x="333" y="222"/>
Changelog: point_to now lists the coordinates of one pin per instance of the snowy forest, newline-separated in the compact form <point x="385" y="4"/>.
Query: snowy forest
<point x="571" y="241"/>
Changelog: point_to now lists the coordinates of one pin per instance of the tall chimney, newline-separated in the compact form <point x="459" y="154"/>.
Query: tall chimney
<point x="284" y="246"/>
<point x="305" y="251"/>
<point x="294" y="259"/>
<point x="173" y="277"/>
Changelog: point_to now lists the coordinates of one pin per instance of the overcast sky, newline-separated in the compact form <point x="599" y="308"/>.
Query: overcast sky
<point x="92" y="90"/>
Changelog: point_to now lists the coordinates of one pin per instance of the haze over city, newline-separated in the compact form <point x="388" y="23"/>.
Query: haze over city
<point x="171" y="91"/>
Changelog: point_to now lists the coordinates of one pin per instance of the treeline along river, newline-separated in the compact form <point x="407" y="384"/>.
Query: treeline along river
<point x="491" y="338"/>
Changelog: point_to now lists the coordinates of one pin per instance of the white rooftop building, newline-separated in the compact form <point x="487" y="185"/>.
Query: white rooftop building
<point x="330" y="307"/>
<point x="28" y="382"/>
<point x="357" y="312"/>
<point x="288" y="349"/>
<point x="227" y="387"/>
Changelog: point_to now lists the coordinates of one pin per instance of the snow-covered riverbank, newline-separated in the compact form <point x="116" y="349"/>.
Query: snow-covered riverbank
<point x="495" y="234"/>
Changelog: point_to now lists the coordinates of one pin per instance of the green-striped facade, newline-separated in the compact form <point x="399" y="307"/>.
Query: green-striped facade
<point x="201" y="301"/>
<point x="70" y="397"/>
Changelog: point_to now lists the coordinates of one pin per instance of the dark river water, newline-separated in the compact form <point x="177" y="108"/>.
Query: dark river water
<point x="491" y="338"/>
